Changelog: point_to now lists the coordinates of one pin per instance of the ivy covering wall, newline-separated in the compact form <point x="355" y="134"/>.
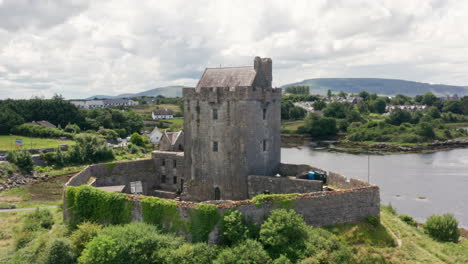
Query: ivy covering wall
<point x="203" y="220"/>
<point x="162" y="213"/>
<point x="86" y="203"/>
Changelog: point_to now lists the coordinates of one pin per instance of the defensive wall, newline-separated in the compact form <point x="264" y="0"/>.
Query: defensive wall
<point x="350" y="200"/>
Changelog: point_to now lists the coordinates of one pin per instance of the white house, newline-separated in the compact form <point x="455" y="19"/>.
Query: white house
<point x="162" y="114"/>
<point x="155" y="135"/>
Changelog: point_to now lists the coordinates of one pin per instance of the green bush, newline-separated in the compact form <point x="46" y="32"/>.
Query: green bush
<point x="248" y="252"/>
<point x="91" y="204"/>
<point x="137" y="139"/>
<point x="39" y="218"/>
<point x="373" y="220"/>
<point x="233" y="228"/>
<point x="40" y="131"/>
<point x="72" y="128"/>
<point x="200" y="253"/>
<point x="136" y="243"/>
<point x="202" y="221"/>
<point x="84" y="233"/>
<point x="284" y="232"/>
<point x="60" y="252"/>
<point x="443" y="227"/>
<point x="408" y="219"/>
<point x="22" y="159"/>
<point x="324" y="247"/>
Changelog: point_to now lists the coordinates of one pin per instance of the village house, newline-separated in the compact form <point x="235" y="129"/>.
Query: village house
<point x="92" y="104"/>
<point x="162" y="114"/>
<point x="155" y="135"/>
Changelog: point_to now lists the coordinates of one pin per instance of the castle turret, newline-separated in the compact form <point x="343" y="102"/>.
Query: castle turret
<point x="232" y="130"/>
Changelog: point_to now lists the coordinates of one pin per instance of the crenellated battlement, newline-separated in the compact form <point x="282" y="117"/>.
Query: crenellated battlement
<point x="239" y="93"/>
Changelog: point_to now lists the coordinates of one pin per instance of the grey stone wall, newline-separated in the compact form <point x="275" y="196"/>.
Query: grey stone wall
<point x="120" y="173"/>
<point x="170" y="167"/>
<point x="263" y="184"/>
<point x="239" y="132"/>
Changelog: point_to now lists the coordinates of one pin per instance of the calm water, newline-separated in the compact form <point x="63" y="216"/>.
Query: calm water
<point x="416" y="184"/>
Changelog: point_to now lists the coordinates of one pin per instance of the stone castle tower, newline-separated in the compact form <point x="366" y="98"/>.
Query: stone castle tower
<point x="232" y="130"/>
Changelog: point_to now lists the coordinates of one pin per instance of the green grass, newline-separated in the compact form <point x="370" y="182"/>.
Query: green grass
<point x="37" y="194"/>
<point x="416" y="246"/>
<point x="145" y="110"/>
<point x="8" y="142"/>
<point x="290" y="127"/>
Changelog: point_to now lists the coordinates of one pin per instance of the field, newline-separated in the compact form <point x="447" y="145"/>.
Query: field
<point x="8" y="142"/>
<point x="146" y="110"/>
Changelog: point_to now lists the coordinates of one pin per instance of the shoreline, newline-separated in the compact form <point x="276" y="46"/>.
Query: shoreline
<point x="340" y="145"/>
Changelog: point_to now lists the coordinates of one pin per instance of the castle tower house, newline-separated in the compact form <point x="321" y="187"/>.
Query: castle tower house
<point x="232" y="130"/>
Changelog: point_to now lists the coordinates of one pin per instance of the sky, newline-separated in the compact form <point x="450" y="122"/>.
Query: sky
<point x="80" y="48"/>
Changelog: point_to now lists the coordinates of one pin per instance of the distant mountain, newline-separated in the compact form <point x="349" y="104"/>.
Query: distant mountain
<point x="379" y="86"/>
<point x="168" y="91"/>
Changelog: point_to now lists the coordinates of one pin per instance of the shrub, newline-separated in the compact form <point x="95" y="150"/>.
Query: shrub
<point x="133" y="243"/>
<point x="284" y="232"/>
<point x="72" y="128"/>
<point x="201" y="253"/>
<point x="60" y="252"/>
<point x="443" y="227"/>
<point x="40" y="131"/>
<point x="22" y="159"/>
<point x="325" y="247"/>
<point x="137" y="139"/>
<point x="89" y="149"/>
<point x="408" y="219"/>
<point x="233" y="227"/>
<point x="84" y="233"/>
<point x="373" y="220"/>
<point x="282" y="260"/>
<point x="248" y="252"/>
<point x="40" y="218"/>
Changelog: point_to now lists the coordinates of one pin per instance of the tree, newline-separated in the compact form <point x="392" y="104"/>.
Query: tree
<point x="433" y="112"/>
<point x="453" y="106"/>
<point x="398" y="117"/>
<point x="465" y="104"/>
<point x="284" y="233"/>
<point x="378" y="105"/>
<point x="72" y="128"/>
<point x="298" y="89"/>
<point x="329" y="93"/>
<point x="319" y="105"/>
<point x="248" y="252"/>
<point x="22" y="159"/>
<point x="425" y="130"/>
<point x="137" y="139"/>
<point x="428" y="99"/>
<point x="363" y="107"/>
<point x="318" y="126"/>
<point x="8" y="120"/>
<point x="233" y="228"/>
<point x="60" y="252"/>
<point x="342" y="94"/>
<point x="337" y="110"/>
<point x="364" y="95"/>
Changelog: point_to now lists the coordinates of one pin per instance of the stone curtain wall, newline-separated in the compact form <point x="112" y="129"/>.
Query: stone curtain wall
<point x="268" y="184"/>
<point x="121" y="173"/>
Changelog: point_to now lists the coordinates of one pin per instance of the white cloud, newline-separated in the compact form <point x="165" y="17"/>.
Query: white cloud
<point x="80" y="48"/>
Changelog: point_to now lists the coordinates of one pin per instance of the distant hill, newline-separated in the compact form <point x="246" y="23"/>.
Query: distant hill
<point x="379" y="86"/>
<point x="168" y="91"/>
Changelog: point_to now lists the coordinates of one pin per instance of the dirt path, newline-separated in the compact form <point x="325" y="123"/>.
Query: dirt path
<point x="25" y="209"/>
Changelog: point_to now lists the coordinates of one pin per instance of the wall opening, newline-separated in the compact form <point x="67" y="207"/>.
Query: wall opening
<point x="163" y="178"/>
<point x="264" y="113"/>
<point x="217" y="194"/>
<point x="175" y="163"/>
<point x="264" y="145"/>
<point x="215" y="146"/>
<point x="215" y="114"/>
<point x="163" y="162"/>
<point x="175" y="180"/>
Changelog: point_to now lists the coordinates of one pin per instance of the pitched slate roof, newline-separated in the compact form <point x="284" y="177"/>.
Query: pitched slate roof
<point x="41" y="123"/>
<point x="164" y="111"/>
<point x="227" y="77"/>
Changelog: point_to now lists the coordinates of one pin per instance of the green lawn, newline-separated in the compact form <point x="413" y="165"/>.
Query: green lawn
<point x="290" y="127"/>
<point x="8" y="142"/>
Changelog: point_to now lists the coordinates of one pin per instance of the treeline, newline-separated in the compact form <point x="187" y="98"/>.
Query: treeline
<point x="363" y="122"/>
<point x="298" y="89"/>
<point x="61" y="113"/>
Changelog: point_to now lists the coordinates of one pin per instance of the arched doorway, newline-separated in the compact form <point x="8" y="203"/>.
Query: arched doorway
<point x="217" y="193"/>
